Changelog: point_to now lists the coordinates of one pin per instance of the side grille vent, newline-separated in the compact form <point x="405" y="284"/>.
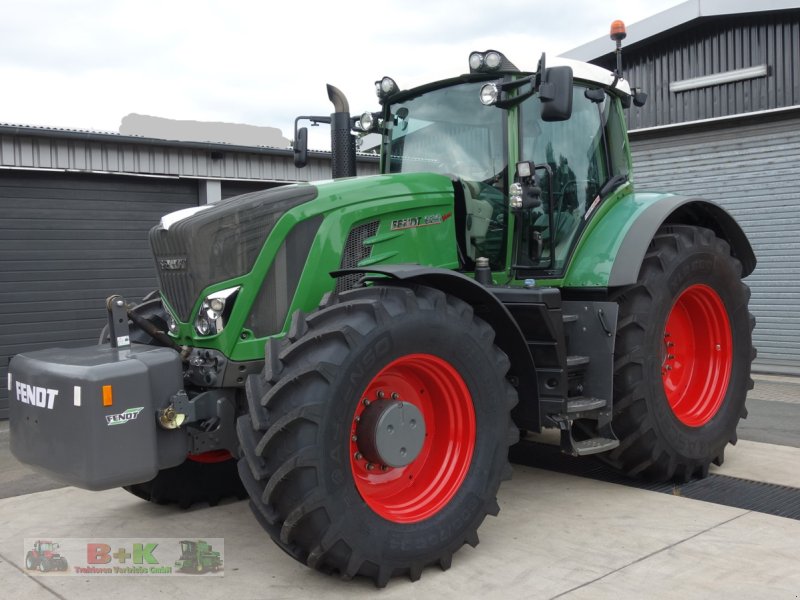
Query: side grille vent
<point x="354" y="252"/>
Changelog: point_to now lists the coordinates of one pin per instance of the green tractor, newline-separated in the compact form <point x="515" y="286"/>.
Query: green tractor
<point x="198" y="557"/>
<point x="359" y="354"/>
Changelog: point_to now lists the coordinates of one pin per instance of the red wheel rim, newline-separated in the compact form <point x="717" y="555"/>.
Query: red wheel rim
<point x="212" y="456"/>
<point x="698" y="354"/>
<point x="422" y="488"/>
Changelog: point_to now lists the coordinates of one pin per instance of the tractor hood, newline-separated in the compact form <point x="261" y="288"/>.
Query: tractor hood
<point x="198" y="247"/>
<point x="217" y="241"/>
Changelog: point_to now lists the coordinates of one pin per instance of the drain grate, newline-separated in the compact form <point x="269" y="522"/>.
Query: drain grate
<point x="767" y="498"/>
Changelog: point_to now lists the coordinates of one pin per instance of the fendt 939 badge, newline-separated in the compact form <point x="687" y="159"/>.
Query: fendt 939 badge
<point x="357" y="355"/>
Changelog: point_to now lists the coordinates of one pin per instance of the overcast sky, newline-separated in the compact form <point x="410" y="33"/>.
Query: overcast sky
<point x="88" y="63"/>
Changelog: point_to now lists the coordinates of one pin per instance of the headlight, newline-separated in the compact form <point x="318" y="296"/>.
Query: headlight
<point x="214" y="311"/>
<point x="172" y="324"/>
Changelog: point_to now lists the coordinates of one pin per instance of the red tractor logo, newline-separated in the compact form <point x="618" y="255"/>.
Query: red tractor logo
<point x="45" y="557"/>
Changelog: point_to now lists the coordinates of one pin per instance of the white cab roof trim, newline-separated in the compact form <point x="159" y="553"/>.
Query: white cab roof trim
<point x="589" y="72"/>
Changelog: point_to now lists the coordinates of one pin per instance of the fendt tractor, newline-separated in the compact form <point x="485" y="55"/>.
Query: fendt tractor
<point x="357" y="355"/>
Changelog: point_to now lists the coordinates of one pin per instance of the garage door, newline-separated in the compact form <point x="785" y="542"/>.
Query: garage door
<point x="67" y="242"/>
<point x="752" y="168"/>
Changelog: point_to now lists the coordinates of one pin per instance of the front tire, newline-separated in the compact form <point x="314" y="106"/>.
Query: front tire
<point x="205" y="478"/>
<point x="682" y="357"/>
<point x="319" y="461"/>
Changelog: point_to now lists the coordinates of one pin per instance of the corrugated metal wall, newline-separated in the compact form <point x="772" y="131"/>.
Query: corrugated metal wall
<point x="104" y="153"/>
<point x="710" y="46"/>
<point x="752" y="168"/>
<point x="67" y="242"/>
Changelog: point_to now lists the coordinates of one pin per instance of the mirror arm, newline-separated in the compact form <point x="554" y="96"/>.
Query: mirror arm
<point x="300" y="144"/>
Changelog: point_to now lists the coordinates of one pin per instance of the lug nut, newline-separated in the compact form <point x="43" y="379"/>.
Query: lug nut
<point x="358" y="456"/>
<point x="357" y="419"/>
<point x="381" y="395"/>
<point x="370" y="466"/>
<point x="365" y="402"/>
<point x="395" y="395"/>
<point x="354" y="438"/>
<point x="384" y="468"/>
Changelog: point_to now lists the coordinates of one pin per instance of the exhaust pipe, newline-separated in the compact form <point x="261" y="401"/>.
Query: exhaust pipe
<point x="343" y="143"/>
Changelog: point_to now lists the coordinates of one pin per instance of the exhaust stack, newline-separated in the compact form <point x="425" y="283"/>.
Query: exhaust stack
<point x="343" y="143"/>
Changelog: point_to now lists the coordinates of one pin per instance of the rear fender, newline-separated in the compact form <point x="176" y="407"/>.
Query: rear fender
<point x="613" y="248"/>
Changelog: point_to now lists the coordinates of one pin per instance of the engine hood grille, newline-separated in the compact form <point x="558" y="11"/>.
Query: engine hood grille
<point x="218" y="243"/>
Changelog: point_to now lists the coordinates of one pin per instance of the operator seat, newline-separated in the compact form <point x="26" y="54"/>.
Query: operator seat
<point x="479" y="215"/>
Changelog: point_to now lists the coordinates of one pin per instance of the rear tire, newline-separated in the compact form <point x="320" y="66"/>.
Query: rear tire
<point x="309" y="475"/>
<point x="682" y="357"/>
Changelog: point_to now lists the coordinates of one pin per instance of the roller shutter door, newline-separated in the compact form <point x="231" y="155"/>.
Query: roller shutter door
<point x="67" y="242"/>
<point x="752" y="168"/>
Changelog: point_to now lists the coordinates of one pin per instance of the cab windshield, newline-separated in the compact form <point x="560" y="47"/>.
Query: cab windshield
<point x="449" y="131"/>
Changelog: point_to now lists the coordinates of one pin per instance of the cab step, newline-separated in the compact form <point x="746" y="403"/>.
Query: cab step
<point x="576" y="361"/>
<point x="594" y="446"/>
<point x="604" y="438"/>
<point x="582" y="405"/>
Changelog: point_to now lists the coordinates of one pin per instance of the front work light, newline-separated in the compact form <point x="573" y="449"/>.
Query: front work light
<point x="366" y="121"/>
<point x="515" y="195"/>
<point x="385" y="87"/>
<point x="489" y="62"/>
<point x="489" y="94"/>
<point x="475" y="61"/>
<point x="492" y="60"/>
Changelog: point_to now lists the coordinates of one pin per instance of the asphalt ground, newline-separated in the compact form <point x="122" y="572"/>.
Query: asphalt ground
<point x="558" y="535"/>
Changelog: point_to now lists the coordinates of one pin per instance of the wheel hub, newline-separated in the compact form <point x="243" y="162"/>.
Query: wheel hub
<point x="391" y="433"/>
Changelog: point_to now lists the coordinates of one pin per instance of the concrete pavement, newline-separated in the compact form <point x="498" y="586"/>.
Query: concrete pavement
<point x="557" y="536"/>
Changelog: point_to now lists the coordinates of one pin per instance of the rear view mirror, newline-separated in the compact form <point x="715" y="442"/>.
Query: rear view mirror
<point x="555" y="93"/>
<point x="301" y="148"/>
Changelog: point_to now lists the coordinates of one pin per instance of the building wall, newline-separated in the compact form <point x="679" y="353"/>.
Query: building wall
<point x="76" y="208"/>
<point x="751" y="167"/>
<point x="710" y="46"/>
<point x="736" y="143"/>
<point x="67" y="242"/>
<point x="96" y="153"/>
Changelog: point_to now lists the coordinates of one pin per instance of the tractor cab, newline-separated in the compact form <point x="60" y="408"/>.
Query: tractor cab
<point x="43" y="547"/>
<point x="531" y="154"/>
